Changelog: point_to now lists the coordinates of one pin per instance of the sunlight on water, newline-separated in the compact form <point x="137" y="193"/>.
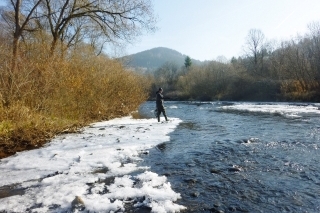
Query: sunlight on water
<point x="242" y="157"/>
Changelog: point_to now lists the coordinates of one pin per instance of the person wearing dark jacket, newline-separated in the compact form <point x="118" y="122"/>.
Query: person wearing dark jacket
<point x="160" y="106"/>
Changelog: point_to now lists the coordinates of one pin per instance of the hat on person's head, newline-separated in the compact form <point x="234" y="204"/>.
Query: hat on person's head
<point x="160" y="89"/>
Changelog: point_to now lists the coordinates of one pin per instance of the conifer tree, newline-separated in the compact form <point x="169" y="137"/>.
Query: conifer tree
<point x="187" y="62"/>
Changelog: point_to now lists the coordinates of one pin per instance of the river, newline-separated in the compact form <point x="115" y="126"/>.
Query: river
<point x="240" y="156"/>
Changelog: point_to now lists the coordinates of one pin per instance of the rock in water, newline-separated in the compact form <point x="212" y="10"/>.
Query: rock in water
<point x="77" y="204"/>
<point x="195" y="194"/>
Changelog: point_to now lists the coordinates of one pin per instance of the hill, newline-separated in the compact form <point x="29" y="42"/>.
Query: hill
<point x="155" y="58"/>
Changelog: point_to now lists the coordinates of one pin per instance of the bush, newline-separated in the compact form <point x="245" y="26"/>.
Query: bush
<point x="48" y="95"/>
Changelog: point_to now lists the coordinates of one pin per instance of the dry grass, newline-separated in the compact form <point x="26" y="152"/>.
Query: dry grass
<point x="22" y="128"/>
<point x="49" y="95"/>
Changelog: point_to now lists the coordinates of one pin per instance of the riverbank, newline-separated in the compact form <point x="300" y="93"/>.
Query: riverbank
<point x="99" y="166"/>
<point x="24" y="129"/>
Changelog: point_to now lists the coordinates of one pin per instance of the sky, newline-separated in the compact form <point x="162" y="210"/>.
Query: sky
<point x="207" y="29"/>
<point x="84" y="165"/>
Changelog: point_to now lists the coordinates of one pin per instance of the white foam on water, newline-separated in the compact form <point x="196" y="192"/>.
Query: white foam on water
<point x="286" y="110"/>
<point x="173" y="107"/>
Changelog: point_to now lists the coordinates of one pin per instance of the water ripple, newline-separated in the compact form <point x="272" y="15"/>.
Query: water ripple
<point x="222" y="159"/>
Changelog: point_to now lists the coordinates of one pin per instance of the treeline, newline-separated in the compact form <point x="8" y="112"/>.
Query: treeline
<point x="269" y="71"/>
<point x="54" y="76"/>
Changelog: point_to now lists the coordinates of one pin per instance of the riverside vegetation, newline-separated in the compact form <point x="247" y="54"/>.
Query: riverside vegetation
<point x="52" y="95"/>
<point x="54" y="77"/>
<point x="268" y="71"/>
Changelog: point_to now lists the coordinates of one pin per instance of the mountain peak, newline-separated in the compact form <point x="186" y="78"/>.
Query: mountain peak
<point x="155" y="58"/>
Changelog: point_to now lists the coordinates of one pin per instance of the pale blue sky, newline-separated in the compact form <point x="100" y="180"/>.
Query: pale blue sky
<point x="206" y="29"/>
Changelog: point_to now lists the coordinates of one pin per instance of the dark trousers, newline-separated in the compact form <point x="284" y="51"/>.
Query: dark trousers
<point x="161" y="109"/>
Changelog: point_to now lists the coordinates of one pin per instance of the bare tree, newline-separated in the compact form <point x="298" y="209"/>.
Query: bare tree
<point x="222" y="59"/>
<point x="255" y="49"/>
<point x="293" y="64"/>
<point x="167" y="75"/>
<point x="18" y="19"/>
<point x="116" y="20"/>
<point x="314" y="47"/>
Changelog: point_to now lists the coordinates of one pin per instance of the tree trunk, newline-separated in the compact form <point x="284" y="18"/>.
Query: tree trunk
<point x="15" y="46"/>
<point x="53" y="45"/>
<point x="16" y="35"/>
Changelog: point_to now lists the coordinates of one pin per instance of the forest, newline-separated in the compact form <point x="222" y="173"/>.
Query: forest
<point x="268" y="71"/>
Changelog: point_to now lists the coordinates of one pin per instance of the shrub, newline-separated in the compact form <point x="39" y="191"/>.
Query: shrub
<point x="48" y="95"/>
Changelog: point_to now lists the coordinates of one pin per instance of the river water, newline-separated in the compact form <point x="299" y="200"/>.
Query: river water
<point x="241" y="157"/>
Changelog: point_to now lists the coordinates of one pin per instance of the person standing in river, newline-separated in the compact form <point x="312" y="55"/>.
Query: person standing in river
<point x="160" y="106"/>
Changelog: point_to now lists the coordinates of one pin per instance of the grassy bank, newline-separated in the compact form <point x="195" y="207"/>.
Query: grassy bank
<point x="48" y="95"/>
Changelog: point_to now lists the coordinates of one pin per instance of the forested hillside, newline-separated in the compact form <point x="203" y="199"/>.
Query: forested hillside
<point x="155" y="58"/>
<point x="269" y="71"/>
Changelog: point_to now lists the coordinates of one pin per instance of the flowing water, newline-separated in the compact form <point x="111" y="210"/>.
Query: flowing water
<point x="241" y="157"/>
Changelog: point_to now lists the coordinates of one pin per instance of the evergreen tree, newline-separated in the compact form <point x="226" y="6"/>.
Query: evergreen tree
<point x="187" y="62"/>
